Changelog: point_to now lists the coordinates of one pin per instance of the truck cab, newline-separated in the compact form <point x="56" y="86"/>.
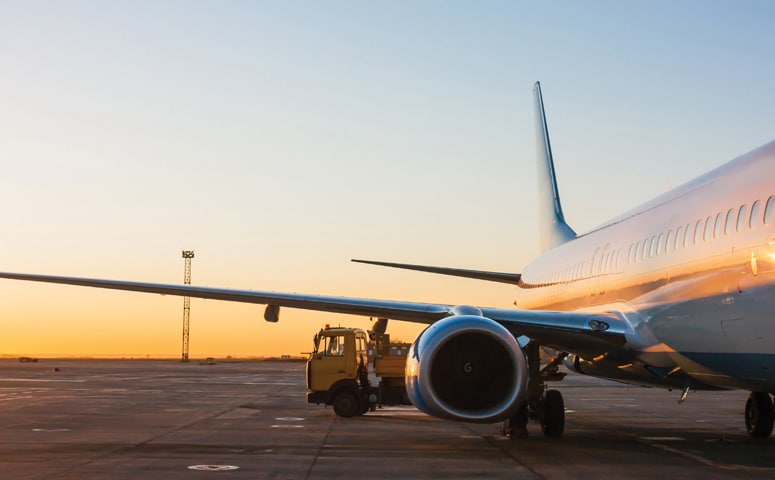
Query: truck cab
<point x="339" y="368"/>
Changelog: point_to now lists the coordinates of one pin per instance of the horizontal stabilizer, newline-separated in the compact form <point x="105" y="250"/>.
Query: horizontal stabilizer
<point x="511" y="278"/>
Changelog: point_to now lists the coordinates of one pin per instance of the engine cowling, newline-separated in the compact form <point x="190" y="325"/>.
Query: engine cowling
<point x="467" y="368"/>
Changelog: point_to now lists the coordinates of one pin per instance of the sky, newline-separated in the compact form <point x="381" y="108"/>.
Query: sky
<point x="280" y="139"/>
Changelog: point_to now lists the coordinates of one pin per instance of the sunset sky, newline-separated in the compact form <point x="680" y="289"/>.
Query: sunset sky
<point x="279" y="139"/>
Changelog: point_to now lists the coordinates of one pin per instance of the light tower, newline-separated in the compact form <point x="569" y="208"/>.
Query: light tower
<point x="187" y="256"/>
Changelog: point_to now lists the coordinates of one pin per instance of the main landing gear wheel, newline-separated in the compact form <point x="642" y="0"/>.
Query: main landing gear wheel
<point x="346" y="404"/>
<point x="759" y="415"/>
<point x="553" y="414"/>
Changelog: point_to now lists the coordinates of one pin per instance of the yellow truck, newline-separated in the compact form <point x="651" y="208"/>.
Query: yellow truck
<point x="356" y="371"/>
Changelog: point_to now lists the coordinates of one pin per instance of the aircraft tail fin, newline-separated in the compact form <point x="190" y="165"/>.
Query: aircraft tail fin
<point x="553" y="229"/>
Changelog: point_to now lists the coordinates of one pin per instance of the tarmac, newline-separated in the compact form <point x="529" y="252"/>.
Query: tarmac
<point x="111" y="419"/>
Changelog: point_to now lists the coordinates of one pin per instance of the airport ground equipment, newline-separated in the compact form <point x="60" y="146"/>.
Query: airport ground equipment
<point x="355" y="373"/>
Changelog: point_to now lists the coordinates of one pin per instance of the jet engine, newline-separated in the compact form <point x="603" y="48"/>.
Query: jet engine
<point x="468" y="368"/>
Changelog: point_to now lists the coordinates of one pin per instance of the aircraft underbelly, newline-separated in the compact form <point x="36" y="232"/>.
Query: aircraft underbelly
<point x="721" y="339"/>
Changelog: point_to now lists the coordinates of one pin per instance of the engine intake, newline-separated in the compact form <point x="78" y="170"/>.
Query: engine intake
<point x="467" y="368"/>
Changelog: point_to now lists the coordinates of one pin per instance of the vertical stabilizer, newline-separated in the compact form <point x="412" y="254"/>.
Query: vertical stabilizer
<point x="553" y="229"/>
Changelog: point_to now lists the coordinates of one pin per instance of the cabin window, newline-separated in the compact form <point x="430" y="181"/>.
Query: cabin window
<point x="635" y="252"/>
<point x="768" y="210"/>
<point x="698" y="231"/>
<point x="754" y="214"/>
<point x="706" y="235"/>
<point x="661" y="244"/>
<point x="669" y="241"/>
<point x="687" y="234"/>
<point x="719" y="225"/>
<point x="653" y="250"/>
<point x="741" y="217"/>
<point x="645" y="250"/>
<point x="678" y="238"/>
<point x="730" y="223"/>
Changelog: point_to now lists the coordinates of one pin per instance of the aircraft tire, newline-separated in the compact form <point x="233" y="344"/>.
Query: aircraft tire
<point x="346" y="404"/>
<point x="553" y="414"/>
<point x="759" y="415"/>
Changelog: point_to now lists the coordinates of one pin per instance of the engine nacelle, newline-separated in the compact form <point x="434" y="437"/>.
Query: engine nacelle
<point x="467" y="368"/>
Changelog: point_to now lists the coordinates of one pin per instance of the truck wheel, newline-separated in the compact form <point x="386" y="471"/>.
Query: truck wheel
<point x="346" y="404"/>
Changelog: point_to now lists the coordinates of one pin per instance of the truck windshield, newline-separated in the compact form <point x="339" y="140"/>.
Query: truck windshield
<point x="332" y="345"/>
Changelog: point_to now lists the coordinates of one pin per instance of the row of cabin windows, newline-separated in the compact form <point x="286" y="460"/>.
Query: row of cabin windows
<point x="734" y="220"/>
<point x="607" y="263"/>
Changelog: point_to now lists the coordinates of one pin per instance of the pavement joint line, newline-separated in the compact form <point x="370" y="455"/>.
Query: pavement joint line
<point x="129" y="448"/>
<point x="705" y="461"/>
<point x="493" y="441"/>
<point x="319" y="453"/>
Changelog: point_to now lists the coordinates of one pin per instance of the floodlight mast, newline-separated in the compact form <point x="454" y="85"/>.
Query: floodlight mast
<point x="188" y="255"/>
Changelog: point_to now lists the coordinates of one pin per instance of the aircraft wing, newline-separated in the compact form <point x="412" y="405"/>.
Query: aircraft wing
<point x="567" y="331"/>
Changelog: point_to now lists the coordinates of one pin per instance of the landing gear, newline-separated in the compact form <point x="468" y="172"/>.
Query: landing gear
<point x="759" y="415"/>
<point x="553" y="414"/>
<point x="516" y="426"/>
<point x="544" y="406"/>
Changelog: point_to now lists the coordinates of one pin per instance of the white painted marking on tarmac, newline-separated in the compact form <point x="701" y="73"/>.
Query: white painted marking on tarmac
<point x="21" y="397"/>
<point x="289" y="419"/>
<point x="287" y="426"/>
<point x="663" y="439"/>
<point x="50" y="429"/>
<point x="471" y="437"/>
<point x="213" y="468"/>
<point x="41" y="380"/>
<point x="568" y="410"/>
<point x="396" y="412"/>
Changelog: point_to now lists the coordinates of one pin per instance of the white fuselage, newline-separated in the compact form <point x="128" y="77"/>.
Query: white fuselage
<point x="693" y="273"/>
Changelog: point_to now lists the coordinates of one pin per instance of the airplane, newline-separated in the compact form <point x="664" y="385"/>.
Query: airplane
<point x="676" y="293"/>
